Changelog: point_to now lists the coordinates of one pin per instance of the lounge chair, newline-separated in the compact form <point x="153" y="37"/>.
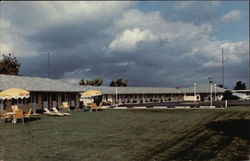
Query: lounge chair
<point x="65" y="106"/>
<point x="4" y="116"/>
<point x="14" y="108"/>
<point x="18" y="115"/>
<point x="93" y="107"/>
<point x="100" y="106"/>
<point x="64" y="113"/>
<point x="49" y="113"/>
<point x="27" y="115"/>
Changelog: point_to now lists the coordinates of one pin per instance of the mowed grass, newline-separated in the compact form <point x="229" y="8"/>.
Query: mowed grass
<point x="127" y="135"/>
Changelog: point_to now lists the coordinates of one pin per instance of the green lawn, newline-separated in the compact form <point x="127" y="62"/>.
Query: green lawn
<point x="125" y="135"/>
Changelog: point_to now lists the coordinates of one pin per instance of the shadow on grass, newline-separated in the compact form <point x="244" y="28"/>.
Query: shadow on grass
<point x="233" y="128"/>
<point x="29" y="119"/>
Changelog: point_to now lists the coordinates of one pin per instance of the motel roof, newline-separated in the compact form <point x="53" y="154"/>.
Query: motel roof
<point x="202" y="88"/>
<point x="35" y="84"/>
<point x="133" y="90"/>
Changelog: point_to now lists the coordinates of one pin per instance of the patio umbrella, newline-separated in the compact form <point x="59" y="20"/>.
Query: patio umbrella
<point x="14" y="93"/>
<point x="90" y="93"/>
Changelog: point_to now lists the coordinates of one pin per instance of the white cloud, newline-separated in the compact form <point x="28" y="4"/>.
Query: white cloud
<point x="151" y="27"/>
<point x="232" y="16"/>
<point x="129" y="39"/>
<point x="236" y="52"/>
<point x="190" y="39"/>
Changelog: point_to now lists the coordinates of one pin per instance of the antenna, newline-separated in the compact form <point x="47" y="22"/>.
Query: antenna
<point x="249" y="70"/>
<point x="48" y="66"/>
<point x="222" y="67"/>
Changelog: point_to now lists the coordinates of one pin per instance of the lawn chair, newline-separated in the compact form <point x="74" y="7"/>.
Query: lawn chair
<point x="65" y="106"/>
<point x="18" y="115"/>
<point x="63" y="113"/>
<point x="49" y="113"/>
<point x="93" y="107"/>
<point x="100" y="106"/>
<point x="14" y="108"/>
<point x="27" y="115"/>
<point x="5" y="116"/>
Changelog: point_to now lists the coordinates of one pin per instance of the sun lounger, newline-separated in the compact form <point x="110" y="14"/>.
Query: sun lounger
<point x="64" y="113"/>
<point x="14" y="108"/>
<point x="65" y="106"/>
<point x="49" y="113"/>
<point x="18" y="115"/>
<point x="6" y="116"/>
<point x="27" y="115"/>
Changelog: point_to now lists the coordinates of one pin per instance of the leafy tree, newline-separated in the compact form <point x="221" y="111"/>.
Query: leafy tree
<point x="9" y="65"/>
<point x="98" y="82"/>
<point x="94" y="82"/>
<point x="112" y="83"/>
<point x="240" y="85"/>
<point x="229" y="96"/>
<point x="220" y="85"/>
<point x="118" y="83"/>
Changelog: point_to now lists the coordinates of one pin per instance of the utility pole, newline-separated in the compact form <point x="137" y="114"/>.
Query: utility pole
<point x="215" y="97"/>
<point x="195" y="97"/>
<point x="48" y="66"/>
<point x="116" y="95"/>
<point x="211" y="95"/>
<point x="249" y="70"/>
<point x="222" y="67"/>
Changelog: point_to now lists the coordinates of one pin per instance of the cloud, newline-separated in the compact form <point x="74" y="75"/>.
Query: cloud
<point x="129" y="39"/>
<point x="39" y="23"/>
<point x="232" y="16"/>
<point x="110" y="40"/>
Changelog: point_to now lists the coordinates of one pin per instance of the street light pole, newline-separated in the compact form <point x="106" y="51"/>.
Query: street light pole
<point x="116" y="96"/>
<point x="195" y="92"/>
<point x="222" y="67"/>
<point x="48" y="65"/>
<point x="211" y="95"/>
<point x="215" y="98"/>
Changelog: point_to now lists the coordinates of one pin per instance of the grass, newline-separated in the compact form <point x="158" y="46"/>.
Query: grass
<point x="125" y="135"/>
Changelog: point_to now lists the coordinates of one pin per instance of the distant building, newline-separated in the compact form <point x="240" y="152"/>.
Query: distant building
<point x="157" y="94"/>
<point x="242" y="94"/>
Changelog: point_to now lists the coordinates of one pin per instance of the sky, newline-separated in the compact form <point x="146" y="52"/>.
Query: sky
<point x="152" y="44"/>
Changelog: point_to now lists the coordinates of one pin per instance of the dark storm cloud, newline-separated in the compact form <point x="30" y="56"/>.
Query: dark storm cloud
<point x="66" y="36"/>
<point x="196" y="12"/>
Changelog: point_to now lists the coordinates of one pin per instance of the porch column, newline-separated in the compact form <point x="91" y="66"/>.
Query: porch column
<point x="77" y="100"/>
<point x="59" y="99"/>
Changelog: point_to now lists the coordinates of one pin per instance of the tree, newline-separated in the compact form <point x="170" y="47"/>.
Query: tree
<point x="98" y="82"/>
<point x="9" y="65"/>
<point x="94" y="82"/>
<point x="112" y="83"/>
<point x="220" y="85"/>
<point x="118" y="83"/>
<point x="229" y="96"/>
<point x="240" y="86"/>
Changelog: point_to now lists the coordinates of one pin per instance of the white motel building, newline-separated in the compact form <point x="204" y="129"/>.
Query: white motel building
<point x="49" y="93"/>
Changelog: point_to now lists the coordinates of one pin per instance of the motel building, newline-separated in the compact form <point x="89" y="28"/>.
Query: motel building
<point x="126" y="95"/>
<point x="43" y="92"/>
<point x="48" y="93"/>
